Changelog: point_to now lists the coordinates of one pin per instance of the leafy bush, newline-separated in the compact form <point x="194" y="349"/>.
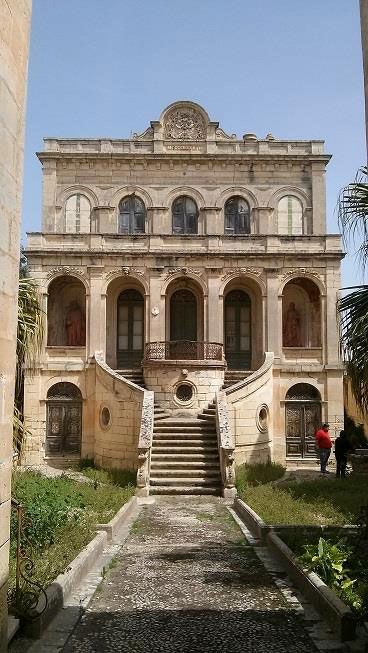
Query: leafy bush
<point x="258" y="474"/>
<point x="331" y="562"/>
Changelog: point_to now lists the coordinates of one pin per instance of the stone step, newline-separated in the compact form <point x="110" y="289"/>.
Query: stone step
<point x="203" y="475"/>
<point x="181" y="457"/>
<point x="179" y="465"/>
<point x="171" y="436"/>
<point x="184" y="481"/>
<point x="199" y="489"/>
<point x="207" y="418"/>
<point x="183" y="422"/>
<point x="208" y="411"/>
<point x="202" y="426"/>
<point x="189" y="448"/>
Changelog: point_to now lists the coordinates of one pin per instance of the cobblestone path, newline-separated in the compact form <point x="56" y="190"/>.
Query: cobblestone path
<point x="186" y="581"/>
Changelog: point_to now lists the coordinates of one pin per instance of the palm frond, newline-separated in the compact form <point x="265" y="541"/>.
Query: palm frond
<point x="30" y="323"/>
<point x="353" y="309"/>
<point x="352" y="211"/>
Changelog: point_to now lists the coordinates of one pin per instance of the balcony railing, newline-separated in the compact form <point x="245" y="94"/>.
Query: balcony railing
<point x="183" y="350"/>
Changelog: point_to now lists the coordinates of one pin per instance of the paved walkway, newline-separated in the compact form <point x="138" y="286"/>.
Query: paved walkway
<point x="187" y="581"/>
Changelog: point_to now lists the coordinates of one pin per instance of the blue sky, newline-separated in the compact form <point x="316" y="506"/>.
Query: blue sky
<point x="108" y="67"/>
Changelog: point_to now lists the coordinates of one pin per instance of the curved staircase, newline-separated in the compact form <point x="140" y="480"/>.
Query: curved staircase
<point x="184" y="455"/>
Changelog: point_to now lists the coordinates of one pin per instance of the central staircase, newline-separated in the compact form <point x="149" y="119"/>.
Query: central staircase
<point x="133" y="375"/>
<point x="184" y="455"/>
<point x="234" y="376"/>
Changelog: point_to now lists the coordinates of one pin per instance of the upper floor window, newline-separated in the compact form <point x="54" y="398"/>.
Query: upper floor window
<point x="237" y="216"/>
<point x="184" y="216"/>
<point x="290" y="216"/>
<point x="77" y="214"/>
<point x="132" y="215"/>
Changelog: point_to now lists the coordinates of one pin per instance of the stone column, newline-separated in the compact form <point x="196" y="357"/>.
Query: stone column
<point x="96" y="336"/>
<point x="215" y="317"/>
<point x="318" y="198"/>
<point x="274" y="314"/>
<point x="49" y="198"/>
<point x="331" y="328"/>
<point x="156" y="315"/>
<point x="14" y="41"/>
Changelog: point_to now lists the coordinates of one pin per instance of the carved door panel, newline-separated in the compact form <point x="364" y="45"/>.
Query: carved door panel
<point x="64" y="428"/>
<point x="130" y="329"/>
<point x="302" y="421"/>
<point x="237" y="330"/>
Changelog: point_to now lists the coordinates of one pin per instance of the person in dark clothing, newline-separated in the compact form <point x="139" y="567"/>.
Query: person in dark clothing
<point x="342" y="448"/>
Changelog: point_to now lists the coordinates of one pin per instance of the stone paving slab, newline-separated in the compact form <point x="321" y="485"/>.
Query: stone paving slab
<point x="186" y="581"/>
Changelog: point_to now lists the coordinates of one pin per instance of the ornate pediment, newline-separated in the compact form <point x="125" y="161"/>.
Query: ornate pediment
<point x="184" y="123"/>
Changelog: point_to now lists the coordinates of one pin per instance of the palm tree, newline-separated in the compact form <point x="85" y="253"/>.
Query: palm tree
<point x="29" y="342"/>
<point x="353" y="307"/>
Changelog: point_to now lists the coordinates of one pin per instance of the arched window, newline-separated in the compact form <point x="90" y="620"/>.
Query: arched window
<point x="184" y="216"/>
<point x="290" y="216"/>
<point x="237" y="216"/>
<point x="64" y="420"/>
<point x="77" y="214"/>
<point x="302" y="419"/>
<point x="132" y="215"/>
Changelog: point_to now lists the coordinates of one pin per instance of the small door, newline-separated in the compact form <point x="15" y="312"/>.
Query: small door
<point x="238" y="330"/>
<point x="302" y="421"/>
<point x="63" y="425"/>
<point x="130" y="329"/>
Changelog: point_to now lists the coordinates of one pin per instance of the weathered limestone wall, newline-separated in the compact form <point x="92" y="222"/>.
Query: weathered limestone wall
<point x="205" y="379"/>
<point x="15" y="18"/>
<point x="116" y="438"/>
<point x="250" y="412"/>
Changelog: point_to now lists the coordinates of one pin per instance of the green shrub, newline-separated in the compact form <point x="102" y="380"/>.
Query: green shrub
<point x="117" y="477"/>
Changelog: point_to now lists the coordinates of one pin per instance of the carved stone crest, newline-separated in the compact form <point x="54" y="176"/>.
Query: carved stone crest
<point x="65" y="269"/>
<point x="184" y="271"/>
<point x="123" y="271"/>
<point x="301" y="272"/>
<point x="229" y="273"/>
<point x="185" y="124"/>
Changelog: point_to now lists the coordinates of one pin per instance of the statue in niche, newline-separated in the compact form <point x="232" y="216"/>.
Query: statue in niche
<point x="292" y="327"/>
<point x="75" y="326"/>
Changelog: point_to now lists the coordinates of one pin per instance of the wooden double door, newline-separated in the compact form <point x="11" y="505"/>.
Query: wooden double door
<point x="130" y="329"/>
<point x="302" y="422"/>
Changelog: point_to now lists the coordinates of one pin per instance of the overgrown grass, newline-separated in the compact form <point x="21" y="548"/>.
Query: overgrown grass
<point x="117" y="477"/>
<point x="259" y="474"/>
<point x="63" y="513"/>
<point x="336" y="501"/>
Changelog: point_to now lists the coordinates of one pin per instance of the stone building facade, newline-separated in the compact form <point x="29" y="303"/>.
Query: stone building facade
<point x="195" y="265"/>
<point x="15" y="19"/>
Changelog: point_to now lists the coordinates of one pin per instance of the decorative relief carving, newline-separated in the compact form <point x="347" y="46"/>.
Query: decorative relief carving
<point x="301" y="272"/>
<point x="171" y="271"/>
<point x="123" y="271"/>
<point x="221" y="135"/>
<point x="185" y="124"/>
<point x="65" y="269"/>
<point x="144" y="136"/>
<point x="254" y="271"/>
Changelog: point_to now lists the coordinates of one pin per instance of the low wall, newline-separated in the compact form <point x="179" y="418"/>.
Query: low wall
<point x="118" y="409"/>
<point x="250" y="411"/>
<point x="204" y="377"/>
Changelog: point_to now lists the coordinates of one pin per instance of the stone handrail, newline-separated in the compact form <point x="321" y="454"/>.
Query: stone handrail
<point x="145" y="444"/>
<point x="265" y="367"/>
<point x="226" y="445"/>
<point x="99" y="358"/>
<point x="183" y="350"/>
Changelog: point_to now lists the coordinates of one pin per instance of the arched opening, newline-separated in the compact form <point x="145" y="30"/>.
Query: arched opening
<point x="302" y="419"/>
<point x="184" y="216"/>
<point x="63" y="420"/>
<point x="130" y="329"/>
<point x="290" y="218"/>
<point x="66" y="313"/>
<point x="237" y="216"/>
<point x="301" y="314"/>
<point x="237" y="329"/>
<point x="183" y="323"/>
<point x="77" y="214"/>
<point x="132" y="215"/>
